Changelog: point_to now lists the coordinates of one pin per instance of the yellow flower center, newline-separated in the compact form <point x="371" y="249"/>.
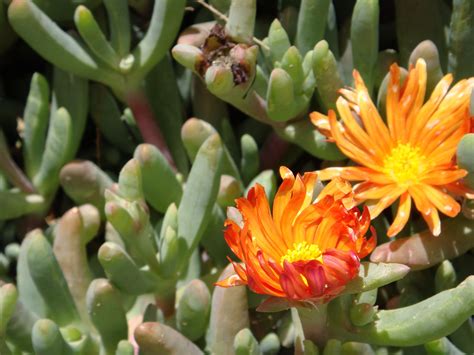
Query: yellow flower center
<point x="404" y="164"/>
<point x="302" y="252"/>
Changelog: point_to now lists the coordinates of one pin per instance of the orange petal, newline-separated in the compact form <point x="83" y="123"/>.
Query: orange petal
<point x="376" y="207"/>
<point x="373" y="191"/>
<point x="420" y="94"/>
<point x="402" y="216"/>
<point x="443" y="177"/>
<point x="460" y="189"/>
<point x="428" y="109"/>
<point x="428" y="211"/>
<point x="441" y="200"/>
<point x="349" y="148"/>
<point x="373" y="123"/>
<point x="321" y="122"/>
<point x="232" y="280"/>
<point x="338" y="188"/>
<point x="355" y="130"/>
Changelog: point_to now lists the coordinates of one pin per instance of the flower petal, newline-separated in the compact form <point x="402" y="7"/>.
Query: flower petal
<point x="441" y="200"/>
<point x="402" y="216"/>
<point x="428" y="211"/>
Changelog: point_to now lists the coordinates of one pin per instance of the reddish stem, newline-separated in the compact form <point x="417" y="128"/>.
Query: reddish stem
<point x="149" y="129"/>
<point x="273" y="151"/>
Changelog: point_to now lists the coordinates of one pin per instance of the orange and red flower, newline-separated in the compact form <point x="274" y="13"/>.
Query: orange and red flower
<point x="302" y="249"/>
<point x="410" y="157"/>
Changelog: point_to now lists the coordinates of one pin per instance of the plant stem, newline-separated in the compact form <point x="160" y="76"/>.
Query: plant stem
<point x="12" y="172"/>
<point x="147" y="125"/>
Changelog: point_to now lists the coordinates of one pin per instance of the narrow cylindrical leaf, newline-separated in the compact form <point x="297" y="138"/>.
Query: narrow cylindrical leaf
<point x="131" y="221"/>
<point x="225" y="321"/>
<point x="373" y="275"/>
<point x="464" y="154"/>
<point x="94" y="37"/>
<point x="107" y="117"/>
<point x="84" y="182"/>
<point x="19" y="327"/>
<point x="312" y="19"/>
<point x="362" y="314"/>
<point x="167" y="107"/>
<point x="124" y="348"/>
<point x="365" y="39"/>
<point x="442" y="346"/>
<point x="154" y="167"/>
<point x="119" y="26"/>
<point x="156" y="338"/>
<point x="200" y="192"/>
<point x="331" y="34"/>
<point x="250" y="162"/>
<point x="170" y="250"/>
<point x="47" y="339"/>
<point x="122" y="270"/>
<point x="29" y="295"/>
<point x="55" y="154"/>
<point x="326" y="74"/>
<point x="169" y="220"/>
<point x="107" y="313"/>
<point x="72" y="93"/>
<point x="164" y="25"/>
<point x="292" y="63"/>
<point x="229" y="190"/>
<point x="245" y="343"/>
<point x="130" y="181"/>
<point x="35" y="119"/>
<point x="303" y="134"/>
<point x="8" y="300"/>
<point x="270" y="344"/>
<point x="445" y="277"/>
<point x="50" y="281"/>
<point x="241" y="23"/>
<point x="194" y="133"/>
<point x="73" y="231"/>
<point x="16" y="204"/>
<point x="51" y="42"/>
<point x="278" y="41"/>
<point x="280" y="96"/>
<point x="213" y="238"/>
<point x="430" y="319"/>
<point x="193" y="309"/>
<point x="428" y="51"/>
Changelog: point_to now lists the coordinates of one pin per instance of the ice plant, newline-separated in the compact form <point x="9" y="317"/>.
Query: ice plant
<point x="411" y="155"/>
<point x="303" y="249"/>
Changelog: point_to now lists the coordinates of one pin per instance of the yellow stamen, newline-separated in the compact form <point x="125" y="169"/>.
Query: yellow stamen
<point x="302" y="252"/>
<point x="405" y="164"/>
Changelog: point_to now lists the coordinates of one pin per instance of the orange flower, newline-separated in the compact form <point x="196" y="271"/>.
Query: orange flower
<point x="410" y="157"/>
<point x="302" y="250"/>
